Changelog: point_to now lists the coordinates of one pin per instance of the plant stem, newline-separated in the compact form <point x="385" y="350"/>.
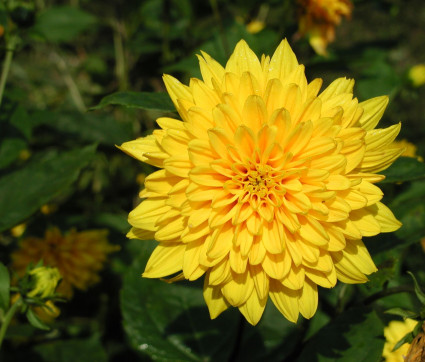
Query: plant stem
<point x="120" y="59"/>
<point x="216" y="12"/>
<point x="69" y="81"/>
<point x="387" y="292"/>
<point x="10" y="49"/>
<point x="8" y="317"/>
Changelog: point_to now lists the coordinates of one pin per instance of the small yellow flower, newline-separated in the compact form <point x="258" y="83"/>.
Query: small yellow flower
<point x="48" y="209"/>
<point x="255" y="26"/>
<point x="395" y="331"/>
<point x="409" y="149"/>
<point x="46" y="281"/>
<point x="79" y="256"/>
<point x="267" y="185"/>
<point x="47" y="312"/>
<point x="319" y="18"/>
<point x="417" y="75"/>
<point x="18" y="230"/>
<point x="24" y="155"/>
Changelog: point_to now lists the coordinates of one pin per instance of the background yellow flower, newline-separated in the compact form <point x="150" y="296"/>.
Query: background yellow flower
<point x="318" y="20"/>
<point x="79" y="256"/>
<point x="395" y="331"/>
<point x="266" y="186"/>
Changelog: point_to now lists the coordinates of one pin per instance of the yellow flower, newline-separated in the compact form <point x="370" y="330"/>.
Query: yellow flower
<point x="409" y="149"/>
<point x="395" y="331"/>
<point x="319" y="18"/>
<point x="417" y="75"/>
<point x="265" y="187"/>
<point x="18" y="230"/>
<point x="255" y="26"/>
<point x="47" y="312"/>
<point x="46" y="280"/>
<point x="79" y="256"/>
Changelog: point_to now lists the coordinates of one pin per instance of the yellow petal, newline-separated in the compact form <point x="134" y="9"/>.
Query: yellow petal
<point x="243" y="60"/>
<point x="210" y="69"/>
<point x="384" y="216"/>
<point x="283" y="62"/>
<point x="145" y="215"/>
<point x="373" y="108"/>
<point x="166" y="259"/>
<point x="285" y="300"/>
<point x="215" y="301"/>
<point x="238" y="289"/>
<point x="261" y="281"/>
<point x="145" y="149"/>
<point x="253" y="308"/>
<point x="378" y="138"/>
<point x="177" y="90"/>
<point x="140" y="234"/>
<point x="337" y="87"/>
<point x="308" y="299"/>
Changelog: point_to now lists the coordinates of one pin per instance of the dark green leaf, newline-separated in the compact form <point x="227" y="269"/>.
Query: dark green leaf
<point x="170" y="322"/>
<point x="89" y="127"/>
<point x="10" y="149"/>
<point x="402" y="313"/>
<point x="404" y="169"/>
<point x="419" y="293"/>
<point x="81" y="350"/>
<point x="4" y="288"/>
<point x="142" y="100"/>
<point x="117" y="222"/>
<point x="62" y="23"/>
<point x="355" y="335"/>
<point x="408" y="338"/>
<point x="35" y="321"/>
<point x="24" y="191"/>
<point x="273" y="339"/>
<point x="21" y="120"/>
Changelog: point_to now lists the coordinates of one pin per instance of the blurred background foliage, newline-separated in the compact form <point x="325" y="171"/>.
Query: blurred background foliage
<point x="59" y="125"/>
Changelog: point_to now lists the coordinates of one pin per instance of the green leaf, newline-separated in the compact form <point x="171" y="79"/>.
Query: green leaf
<point x="143" y="100"/>
<point x="4" y="288"/>
<point x="408" y="338"/>
<point x="402" y="313"/>
<point x="81" y="350"/>
<point x="22" y="121"/>
<point x="10" y="149"/>
<point x="404" y="169"/>
<point x="170" y="322"/>
<point x="355" y="335"/>
<point x="89" y="127"/>
<point x="35" y="321"/>
<point x="24" y="191"/>
<point x="62" y="23"/>
<point x="419" y="293"/>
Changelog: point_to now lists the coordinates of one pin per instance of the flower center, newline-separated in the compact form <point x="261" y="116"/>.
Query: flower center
<point x="258" y="183"/>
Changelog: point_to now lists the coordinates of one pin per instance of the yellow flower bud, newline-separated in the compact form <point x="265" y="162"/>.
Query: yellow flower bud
<point x="46" y="281"/>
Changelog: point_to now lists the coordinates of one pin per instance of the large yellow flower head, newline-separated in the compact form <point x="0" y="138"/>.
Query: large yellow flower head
<point x="79" y="256"/>
<point x="319" y="18"/>
<point x="394" y="332"/>
<point x="265" y="186"/>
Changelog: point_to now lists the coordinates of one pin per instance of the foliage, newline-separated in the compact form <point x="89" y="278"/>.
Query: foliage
<point x="80" y="77"/>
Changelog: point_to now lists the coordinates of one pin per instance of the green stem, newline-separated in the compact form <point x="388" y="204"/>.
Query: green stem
<point x="8" y="317"/>
<point x="216" y="12"/>
<point x="10" y="49"/>
<point x="120" y="59"/>
<point x="390" y="291"/>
